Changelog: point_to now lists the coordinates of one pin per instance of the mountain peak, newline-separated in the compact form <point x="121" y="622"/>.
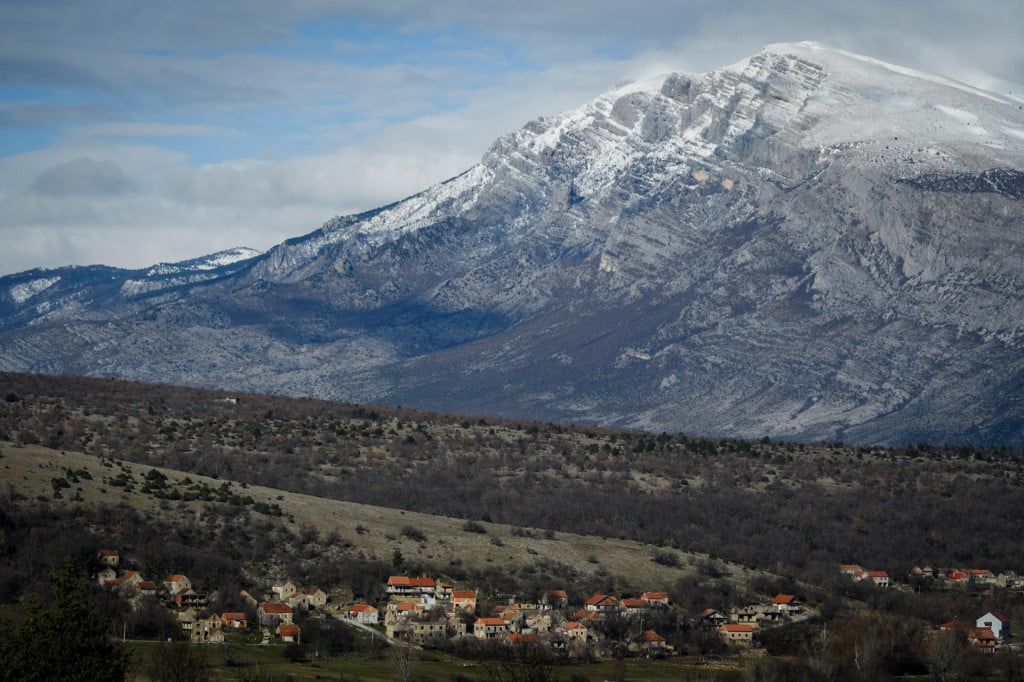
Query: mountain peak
<point x="809" y="243"/>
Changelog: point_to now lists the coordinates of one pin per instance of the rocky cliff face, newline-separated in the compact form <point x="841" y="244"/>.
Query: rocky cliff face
<point x="808" y="244"/>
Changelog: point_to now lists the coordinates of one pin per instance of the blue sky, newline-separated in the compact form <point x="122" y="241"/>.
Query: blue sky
<point x="133" y="133"/>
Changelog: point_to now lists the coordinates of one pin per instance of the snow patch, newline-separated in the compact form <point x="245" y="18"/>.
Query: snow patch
<point x="26" y="290"/>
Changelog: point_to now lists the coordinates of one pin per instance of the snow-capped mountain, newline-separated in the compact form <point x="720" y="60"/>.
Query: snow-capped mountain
<point x="808" y="243"/>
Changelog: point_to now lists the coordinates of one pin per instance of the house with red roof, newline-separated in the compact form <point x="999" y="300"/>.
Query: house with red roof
<point x="557" y="599"/>
<point x="997" y="622"/>
<point x="490" y="628"/>
<point x="234" y="620"/>
<point x="787" y="603"/>
<point x="188" y="597"/>
<point x="650" y="642"/>
<point x="602" y="603"/>
<point x="984" y="640"/>
<point x="655" y="598"/>
<point x="364" y="613"/>
<point x="272" y="613"/>
<point x="711" y="619"/>
<point x="286" y="632"/>
<point x="146" y="588"/>
<point x="574" y="630"/>
<point x="879" y="578"/>
<point x="737" y="634"/>
<point x="634" y="607"/>
<point x="109" y="557"/>
<point x="404" y="586"/>
<point x="176" y="583"/>
<point x="464" y="600"/>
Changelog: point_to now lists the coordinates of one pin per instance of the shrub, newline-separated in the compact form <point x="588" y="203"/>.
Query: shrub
<point x="414" y="534"/>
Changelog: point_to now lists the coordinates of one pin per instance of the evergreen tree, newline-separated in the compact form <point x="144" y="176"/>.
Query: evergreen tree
<point x="69" y="641"/>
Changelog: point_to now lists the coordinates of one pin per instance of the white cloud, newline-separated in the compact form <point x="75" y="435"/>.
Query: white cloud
<point x="311" y="130"/>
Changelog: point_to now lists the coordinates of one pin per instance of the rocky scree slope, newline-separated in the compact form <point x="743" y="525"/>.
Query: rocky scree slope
<point x="809" y="244"/>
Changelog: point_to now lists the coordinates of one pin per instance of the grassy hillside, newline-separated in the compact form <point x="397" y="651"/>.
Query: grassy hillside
<point x="374" y="531"/>
<point x="796" y="508"/>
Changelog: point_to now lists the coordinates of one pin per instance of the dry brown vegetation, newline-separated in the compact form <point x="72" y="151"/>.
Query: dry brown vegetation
<point x="789" y="507"/>
<point x="352" y="528"/>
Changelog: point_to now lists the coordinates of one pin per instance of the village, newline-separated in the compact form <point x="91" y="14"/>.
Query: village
<point x="428" y="611"/>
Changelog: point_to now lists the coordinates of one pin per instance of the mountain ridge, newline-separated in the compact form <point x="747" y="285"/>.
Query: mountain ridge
<point x="808" y="244"/>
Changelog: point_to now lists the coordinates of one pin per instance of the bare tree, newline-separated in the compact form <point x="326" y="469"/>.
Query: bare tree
<point x="178" y="662"/>
<point x="404" y="659"/>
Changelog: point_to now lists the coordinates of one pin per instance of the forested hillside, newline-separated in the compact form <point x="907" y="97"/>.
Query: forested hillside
<point x="793" y="508"/>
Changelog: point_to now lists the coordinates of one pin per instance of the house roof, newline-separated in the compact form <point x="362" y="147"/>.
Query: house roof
<point x="362" y="608"/>
<point x="736" y="627"/>
<point x="406" y="581"/>
<point x="175" y="578"/>
<point x="519" y="638"/>
<point x="233" y="615"/>
<point x="998" y="615"/>
<point x="785" y="599"/>
<point x="601" y="599"/>
<point x="463" y="594"/>
<point x="654" y="595"/>
<point x="145" y="585"/>
<point x="982" y="633"/>
<point x="634" y="603"/>
<point x="287" y="630"/>
<point x="409" y="606"/>
<point x="707" y="613"/>
<point x="275" y="607"/>
<point x="561" y="594"/>
<point x="488" y="622"/>
<point x="650" y="636"/>
<point x="877" y="574"/>
<point x="574" y="625"/>
<point x="313" y="590"/>
<point x="108" y="552"/>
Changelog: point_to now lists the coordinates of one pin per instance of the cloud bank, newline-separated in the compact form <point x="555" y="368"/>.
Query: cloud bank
<point x="132" y="134"/>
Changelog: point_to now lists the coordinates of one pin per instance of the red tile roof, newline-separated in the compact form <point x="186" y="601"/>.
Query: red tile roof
<point x="463" y="594"/>
<point x="362" y="608"/>
<point x="785" y="599"/>
<point x="233" y="615"/>
<point x="650" y="596"/>
<point x="736" y="627"/>
<point x="275" y="607"/>
<point x="288" y="630"/>
<point x="405" y="581"/>
<point x="574" y="625"/>
<point x="651" y="636"/>
<point x="634" y="603"/>
<point x="519" y="638"/>
<point x="487" y="622"/>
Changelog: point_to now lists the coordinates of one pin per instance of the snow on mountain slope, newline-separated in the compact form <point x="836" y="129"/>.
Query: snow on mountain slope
<point x="808" y="243"/>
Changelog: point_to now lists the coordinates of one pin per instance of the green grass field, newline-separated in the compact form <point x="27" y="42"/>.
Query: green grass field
<point x="268" y="662"/>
